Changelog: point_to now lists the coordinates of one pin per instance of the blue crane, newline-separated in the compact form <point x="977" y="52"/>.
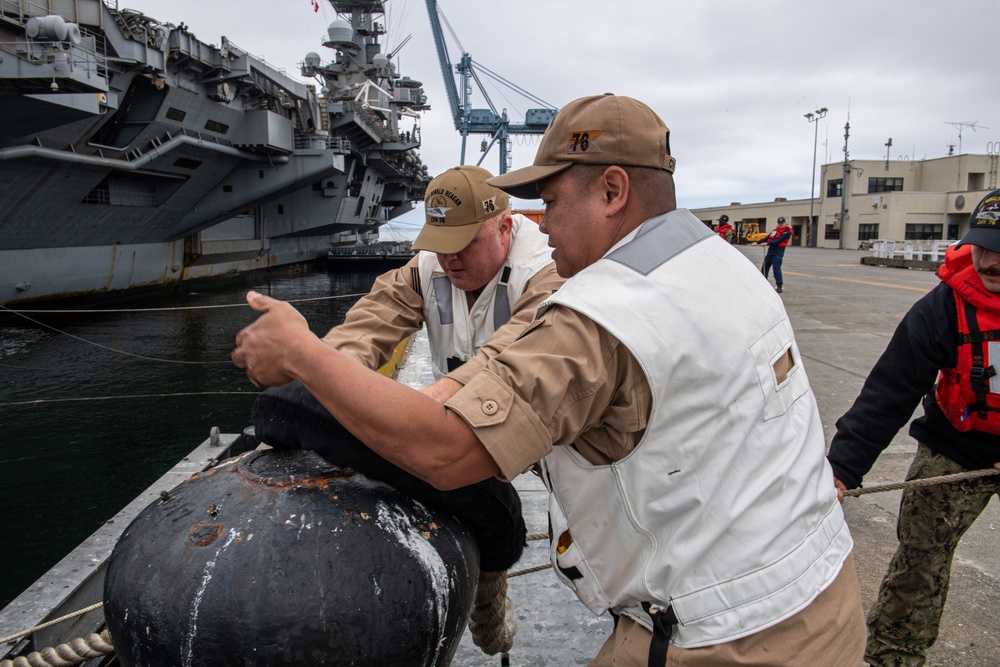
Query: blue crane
<point x="483" y="121"/>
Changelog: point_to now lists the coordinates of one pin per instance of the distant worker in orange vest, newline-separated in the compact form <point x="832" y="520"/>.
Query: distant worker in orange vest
<point x="776" y="242"/>
<point x="726" y="230"/>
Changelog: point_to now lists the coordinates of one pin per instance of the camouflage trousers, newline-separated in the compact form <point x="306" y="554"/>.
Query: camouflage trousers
<point x="903" y="623"/>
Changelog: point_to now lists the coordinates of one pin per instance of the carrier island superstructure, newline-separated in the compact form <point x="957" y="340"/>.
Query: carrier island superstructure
<point x="134" y="155"/>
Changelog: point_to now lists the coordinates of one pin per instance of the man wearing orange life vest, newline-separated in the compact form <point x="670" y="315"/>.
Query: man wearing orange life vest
<point x="950" y="335"/>
<point x="726" y="230"/>
<point x="776" y="242"/>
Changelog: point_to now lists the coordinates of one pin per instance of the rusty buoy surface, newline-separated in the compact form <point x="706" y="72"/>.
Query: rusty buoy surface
<point x="279" y="558"/>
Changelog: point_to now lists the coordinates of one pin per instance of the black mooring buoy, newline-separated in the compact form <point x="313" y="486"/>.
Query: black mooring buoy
<point x="279" y="558"/>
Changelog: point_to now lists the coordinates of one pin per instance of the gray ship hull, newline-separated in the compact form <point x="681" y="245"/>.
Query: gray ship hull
<point x="44" y="274"/>
<point x="134" y="155"/>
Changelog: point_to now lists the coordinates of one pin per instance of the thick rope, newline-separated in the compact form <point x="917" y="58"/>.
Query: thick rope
<point x="71" y="653"/>
<point x="492" y="622"/>
<point x="537" y="568"/>
<point x="929" y="481"/>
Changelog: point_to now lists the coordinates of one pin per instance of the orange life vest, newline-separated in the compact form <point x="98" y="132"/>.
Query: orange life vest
<point x="778" y="231"/>
<point x="969" y="393"/>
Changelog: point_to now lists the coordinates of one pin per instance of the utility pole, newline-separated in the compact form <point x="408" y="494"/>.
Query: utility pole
<point x="843" y="187"/>
<point x="814" y="118"/>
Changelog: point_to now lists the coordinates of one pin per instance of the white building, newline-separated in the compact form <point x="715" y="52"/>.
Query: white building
<point x="866" y="200"/>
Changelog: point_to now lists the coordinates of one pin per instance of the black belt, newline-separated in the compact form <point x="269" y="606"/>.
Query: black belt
<point x="664" y="621"/>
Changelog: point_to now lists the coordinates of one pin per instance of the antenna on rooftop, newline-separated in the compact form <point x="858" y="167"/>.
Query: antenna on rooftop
<point x="961" y="125"/>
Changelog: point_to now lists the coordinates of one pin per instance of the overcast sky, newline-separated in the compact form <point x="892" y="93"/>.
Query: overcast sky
<point x="732" y="79"/>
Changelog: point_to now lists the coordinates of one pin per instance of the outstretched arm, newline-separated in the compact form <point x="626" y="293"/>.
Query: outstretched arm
<point x="404" y="426"/>
<point x="925" y="341"/>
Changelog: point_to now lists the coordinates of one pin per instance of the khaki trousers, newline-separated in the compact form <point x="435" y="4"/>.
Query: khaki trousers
<point x="830" y="632"/>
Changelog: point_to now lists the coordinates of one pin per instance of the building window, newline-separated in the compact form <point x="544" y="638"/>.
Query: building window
<point x="882" y="184"/>
<point x="176" y="114"/>
<point x="187" y="163"/>
<point x="831" y="233"/>
<point x="835" y="188"/>
<point x="924" y="232"/>
<point x="215" y="126"/>
<point x="867" y="232"/>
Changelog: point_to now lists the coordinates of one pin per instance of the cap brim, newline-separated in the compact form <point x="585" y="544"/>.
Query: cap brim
<point x="445" y="240"/>
<point x="521" y="183"/>
<point x="982" y="237"/>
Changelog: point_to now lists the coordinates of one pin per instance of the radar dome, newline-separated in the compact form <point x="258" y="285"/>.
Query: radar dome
<point x="340" y="31"/>
<point x="312" y="59"/>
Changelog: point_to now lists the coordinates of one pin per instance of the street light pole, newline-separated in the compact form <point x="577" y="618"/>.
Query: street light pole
<point x="814" y="118"/>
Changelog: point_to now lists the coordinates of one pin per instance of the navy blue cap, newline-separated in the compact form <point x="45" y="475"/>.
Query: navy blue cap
<point x="984" y="225"/>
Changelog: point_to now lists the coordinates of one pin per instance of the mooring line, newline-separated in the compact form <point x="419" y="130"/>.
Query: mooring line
<point x="927" y="481"/>
<point x="83" y="311"/>
<point x="40" y="401"/>
<point x="20" y="313"/>
<point x="108" y="348"/>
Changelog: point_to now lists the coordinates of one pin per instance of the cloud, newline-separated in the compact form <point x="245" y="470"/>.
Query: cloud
<point x="731" y="79"/>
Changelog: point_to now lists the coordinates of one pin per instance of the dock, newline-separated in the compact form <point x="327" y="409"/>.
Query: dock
<point x="843" y="312"/>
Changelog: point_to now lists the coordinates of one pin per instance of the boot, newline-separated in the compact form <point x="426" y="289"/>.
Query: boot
<point x="778" y="289"/>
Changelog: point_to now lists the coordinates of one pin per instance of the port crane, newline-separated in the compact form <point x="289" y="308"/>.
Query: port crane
<point x="490" y="122"/>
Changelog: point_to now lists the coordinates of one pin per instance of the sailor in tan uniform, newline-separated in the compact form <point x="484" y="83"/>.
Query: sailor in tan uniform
<point x="674" y="425"/>
<point x="480" y="273"/>
<point x="475" y="284"/>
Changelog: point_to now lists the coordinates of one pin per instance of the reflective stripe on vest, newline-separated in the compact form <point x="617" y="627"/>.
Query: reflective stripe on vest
<point x="501" y="302"/>
<point x="446" y="307"/>
<point x="442" y="292"/>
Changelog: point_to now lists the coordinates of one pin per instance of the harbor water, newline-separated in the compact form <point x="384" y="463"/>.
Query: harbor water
<point x="96" y="405"/>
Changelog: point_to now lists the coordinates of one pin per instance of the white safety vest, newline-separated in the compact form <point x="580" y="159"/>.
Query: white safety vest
<point x="454" y="331"/>
<point x="726" y="508"/>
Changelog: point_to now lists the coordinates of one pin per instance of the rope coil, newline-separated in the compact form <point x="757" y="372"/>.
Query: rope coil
<point x="492" y="623"/>
<point x="69" y="654"/>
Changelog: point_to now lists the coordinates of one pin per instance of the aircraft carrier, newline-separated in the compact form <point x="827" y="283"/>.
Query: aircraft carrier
<point x="134" y="155"/>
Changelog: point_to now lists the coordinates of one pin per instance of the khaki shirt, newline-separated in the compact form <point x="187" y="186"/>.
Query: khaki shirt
<point x="394" y="309"/>
<point x="566" y="381"/>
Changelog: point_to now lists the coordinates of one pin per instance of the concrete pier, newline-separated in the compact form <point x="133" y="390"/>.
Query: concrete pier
<point x="844" y="313"/>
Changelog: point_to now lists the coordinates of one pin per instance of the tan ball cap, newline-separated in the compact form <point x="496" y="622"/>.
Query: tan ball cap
<point x="601" y="129"/>
<point x="456" y="204"/>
